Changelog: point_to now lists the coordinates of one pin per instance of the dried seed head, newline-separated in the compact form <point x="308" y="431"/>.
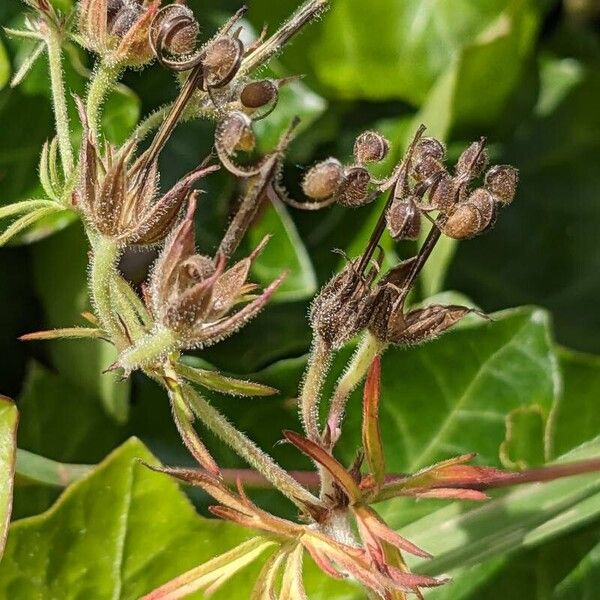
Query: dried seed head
<point x="404" y="220"/>
<point x="353" y="190"/>
<point x="426" y="168"/>
<point x="471" y="217"/>
<point x="124" y="19"/>
<point x="340" y="311"/>
<point x="473" y="161"/>
<point x="443" y="194"/>
<point x="235" y="134"/>
<point x="429" y="147"/>
<point x="323" y="180"/>
<point x="257" y="94"/>
<point x="370" y="146"/>
<point x="222" y="59"/>
<point x="502" y="181"/>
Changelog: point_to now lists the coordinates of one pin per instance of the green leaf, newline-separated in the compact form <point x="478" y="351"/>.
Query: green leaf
<point x="63" y="258"/>
<point x="8" y="434"/>
<point x="129" y="530"/>
<point x="415" y="43"/>
<point x="452" y="396"/>
<point x="285" y="251"/>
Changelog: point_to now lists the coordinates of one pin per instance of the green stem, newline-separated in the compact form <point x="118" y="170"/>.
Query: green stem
<point x="149" y="349"/>
<point x="316" y="371"/>
<point x="355" y="372"/>
<point x="103" y="272"/>
<point x="248" y="450"/>
<point x="103" y="81"/>
<point x="59" y="101"/>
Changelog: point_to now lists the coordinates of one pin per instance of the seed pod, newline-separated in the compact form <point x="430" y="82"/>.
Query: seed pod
<point x="471" y="217"/>
<point x="235" y="134"/>
<point x="257" y="94"/>
<point x="124" y="19"/>
<point x="323" y="180"/>
<point x="353" y="190"/>
<point x="502" y="181"/>
<point x="222" y="61"/>
<point x="404" y="220"/>
<point x="472" y="161"/>
<point x="429" y="147"/>
<point x="426" y="168"/>
<point x="370" y="146"/>
<point x="443" y="194"/>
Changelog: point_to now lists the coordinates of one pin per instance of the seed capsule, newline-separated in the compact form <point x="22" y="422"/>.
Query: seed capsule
<point x="443" y="194"/>
<point x="502" y="181"/>
<point x="404" y="220"/>
<point x="124" y="19"/>
<point x="353" y="191"/>
<point x="235" y="134"/>
<point x="257" y="94"/>
<point x="323" y="180"/>
<point x="370" y="146"/>
<point x="472" y="161"/>
<point x="429" y="147"/>
<point x="426" y="168"/>
<point x="471" y="217"/>
<point x="222" y="61"/>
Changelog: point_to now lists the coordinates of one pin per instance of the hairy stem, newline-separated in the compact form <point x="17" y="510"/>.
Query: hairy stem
<point x="314" y="377"/>
<point x="149" y="349"/>
<point x="355" y="372"/>
<point x="101" y="84"/>
<point x="248" y="450"/>
<point x="59" y="101"/>
<point x="103" y="272"/>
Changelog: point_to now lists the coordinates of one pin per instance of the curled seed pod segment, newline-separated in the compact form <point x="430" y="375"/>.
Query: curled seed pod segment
<point x="472" y="162"/>
<point x="429" y="147"/>
<point x="404" y="219"/>
<point x="502" y="181"/>
<point x="234" y="134"/>
<point x="471" y="217"/>
<point x="221" y="60"/>
<point x="171" y="35"/>
<point x="323" y="180"/>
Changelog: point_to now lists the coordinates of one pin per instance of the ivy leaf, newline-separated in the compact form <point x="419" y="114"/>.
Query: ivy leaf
<point x="8" y="436"/>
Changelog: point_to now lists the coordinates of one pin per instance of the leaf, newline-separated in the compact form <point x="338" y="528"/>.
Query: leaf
<point x="64" y="257"/>
<point x="451" y="396"/>
<point x="285" y="251"/>
<point x="108" y="527"/>
<point x="8" y="436"/>
<point x="415" y="43"/>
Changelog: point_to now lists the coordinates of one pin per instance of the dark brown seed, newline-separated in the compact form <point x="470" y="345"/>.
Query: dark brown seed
<point x="502" y="181"/>
<point x="370" y="146"/>
<point x="404" y="220"/>
<point x="124" y="20"/>
<point x="354" y="188"/>
<point x="323" y="180"/>
<point x="257" y="94"/>
<point x="429" y="147"/>
<point x="425" y="168"/>
<point x="472" y="161"/>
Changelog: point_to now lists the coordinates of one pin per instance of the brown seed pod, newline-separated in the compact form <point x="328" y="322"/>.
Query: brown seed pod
<point x="473" y="161"/>
<point x="222" y="60"/>
<point x="404" y="220"/>
<point x="429" y="147"/>
<point x="471" y="217"/>
<point x="257" y="94"/>
<point x="323" y="180"/>
<point x="501" y="181"/>
<point x="353" y="190"/>
<point x="370" y="146"/>
<point x="235" y="134"/>
<point x="174" y="33"/>
<point x="124" y="19"/>
<point x="426" y="168"/>
<point x="443" y="194"/>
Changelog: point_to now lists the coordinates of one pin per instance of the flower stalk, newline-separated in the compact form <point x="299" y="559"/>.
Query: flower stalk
<point x="103" y="81"/>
